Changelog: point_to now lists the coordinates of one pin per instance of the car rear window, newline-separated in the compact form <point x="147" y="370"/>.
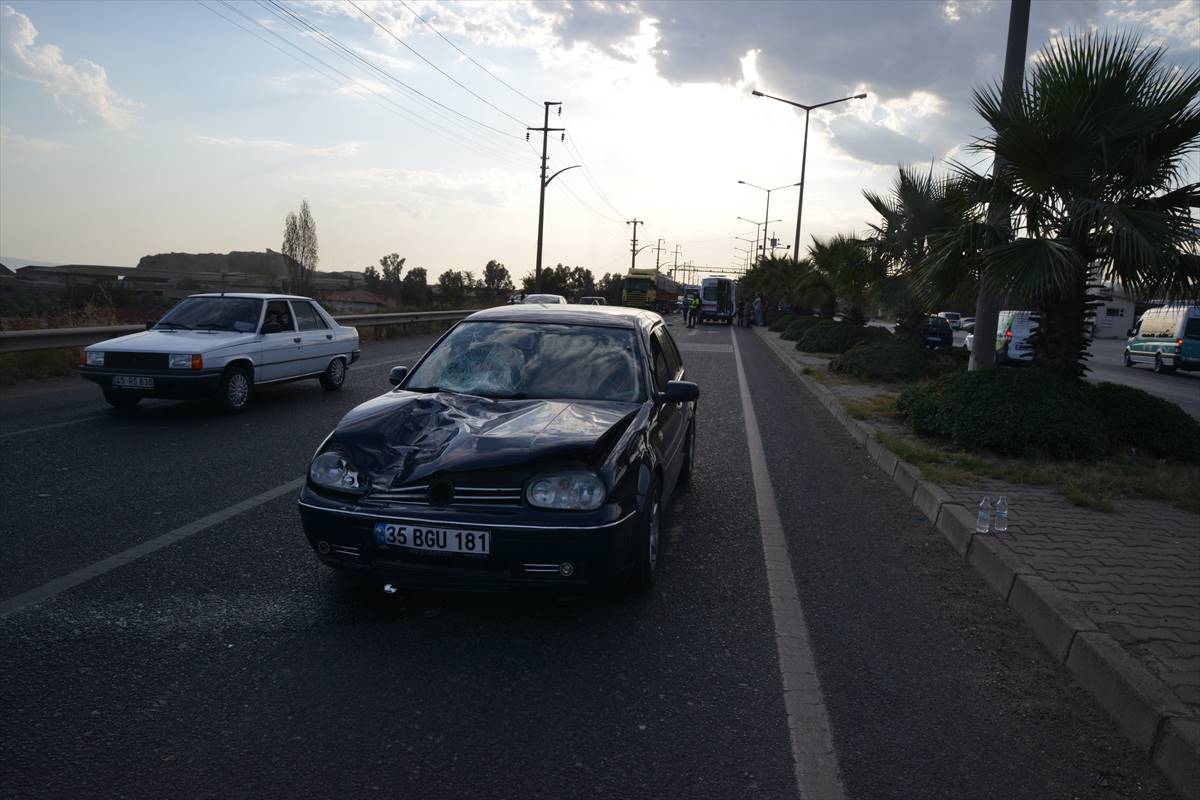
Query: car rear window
<point x="1192" y="331"/>
<point x="526" y="360"/>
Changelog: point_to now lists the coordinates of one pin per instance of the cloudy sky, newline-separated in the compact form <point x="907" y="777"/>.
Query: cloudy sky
<point x="129" y="128"/>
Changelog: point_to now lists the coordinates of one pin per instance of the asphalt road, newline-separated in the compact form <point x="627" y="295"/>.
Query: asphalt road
<point x="231" y="664"/>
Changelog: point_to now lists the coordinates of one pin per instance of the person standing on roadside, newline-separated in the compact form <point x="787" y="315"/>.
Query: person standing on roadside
<point x="758" y="301"/>
<point x="693" y="310"/>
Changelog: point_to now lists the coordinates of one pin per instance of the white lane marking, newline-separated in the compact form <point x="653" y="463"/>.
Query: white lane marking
<point x="705" y="348"/>
<point x="814" y="758"/>
<point x="52" y="425"/>
<point x="95" y="570"/>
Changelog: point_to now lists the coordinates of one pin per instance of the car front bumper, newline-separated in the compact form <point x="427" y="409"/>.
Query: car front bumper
<point x="169" y="385"/>
<point x="523" y="556"/>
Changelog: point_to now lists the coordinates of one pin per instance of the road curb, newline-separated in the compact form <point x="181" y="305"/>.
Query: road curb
<point x="1142" y="706"/>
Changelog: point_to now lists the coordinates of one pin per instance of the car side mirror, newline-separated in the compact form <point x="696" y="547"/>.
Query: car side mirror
<point x="397" y="375"/>
<point x="680" y="392"/>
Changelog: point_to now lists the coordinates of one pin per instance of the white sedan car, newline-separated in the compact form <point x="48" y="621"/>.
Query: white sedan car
<point x="221" y="346"/>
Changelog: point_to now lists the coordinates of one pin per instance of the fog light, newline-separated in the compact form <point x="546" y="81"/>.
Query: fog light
<point x="323" y="548"/>
<point x="566" y="569"/>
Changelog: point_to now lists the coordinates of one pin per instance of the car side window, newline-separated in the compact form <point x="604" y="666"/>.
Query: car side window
<point x="278" y="318"/>
<point x="674" y="360"/>
<point x="307" y="316"/>
<point x="662" y="372"/>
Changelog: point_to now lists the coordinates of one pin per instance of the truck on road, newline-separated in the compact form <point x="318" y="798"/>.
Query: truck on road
<point x="650" y="289"/>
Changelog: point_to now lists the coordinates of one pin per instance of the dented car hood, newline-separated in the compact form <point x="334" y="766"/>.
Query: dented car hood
<point x="404" y="437"/>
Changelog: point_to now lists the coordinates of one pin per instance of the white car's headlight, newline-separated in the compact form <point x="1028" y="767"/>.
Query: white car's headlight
<point x="183" y="361"/>
<point x="95" y="358"/>
<point x="331" y="470"/>
<point x="570" y="491"/>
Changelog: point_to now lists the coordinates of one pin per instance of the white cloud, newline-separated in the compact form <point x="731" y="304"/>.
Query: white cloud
<point x="79" y="86"/>
<point x="31" y="144"/>
<point x="343" y="150"/>
<point x="1178" y="24"/>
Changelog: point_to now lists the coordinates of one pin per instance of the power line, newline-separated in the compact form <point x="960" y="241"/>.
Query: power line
<point x="458" y="83"/>
<point x="587" y="173"/>
<point x="351" y="84"/>
<point x="356" y="56"/>
<point x="468" y="55"/>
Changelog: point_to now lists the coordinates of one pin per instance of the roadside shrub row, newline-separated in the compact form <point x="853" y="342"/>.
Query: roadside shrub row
<point x="1028" y="412"/>
<point x="797" y="327"/>
<point x="780" y="323"/>
<point x="827" y="336"/>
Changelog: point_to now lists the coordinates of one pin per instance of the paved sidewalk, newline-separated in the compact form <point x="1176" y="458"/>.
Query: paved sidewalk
<point x="1135" y="572"/>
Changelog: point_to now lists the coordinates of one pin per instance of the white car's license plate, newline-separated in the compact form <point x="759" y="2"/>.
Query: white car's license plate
<point x="132" y="382"/>
<point x="437" y="540"/>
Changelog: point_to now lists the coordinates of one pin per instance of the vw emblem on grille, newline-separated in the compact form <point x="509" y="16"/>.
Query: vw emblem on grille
<point x="441" y="493"/>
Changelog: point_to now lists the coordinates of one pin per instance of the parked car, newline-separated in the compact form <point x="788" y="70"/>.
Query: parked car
<point x="592" y="301"/>
<point x="223" y="346"/>
<point x="545" y="299"/>
<point x="528" y="448"/>
<point x="967" y="324"/>
<point x="953" y="317"/>
<point x="1168" y="337"/>
<point x="969" y="342"/>
<point x="938" y="332"/>
<point x="1013" y="330"/>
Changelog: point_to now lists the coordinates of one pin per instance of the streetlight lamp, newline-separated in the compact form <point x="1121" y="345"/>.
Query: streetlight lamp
<point x="804" y="158"/>
<point x="757" y="225"/>
<point x="768" y="214"/>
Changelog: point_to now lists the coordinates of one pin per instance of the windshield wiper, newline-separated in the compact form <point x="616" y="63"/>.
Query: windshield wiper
<point x="209" y="326"/>
<point x="426" y="389"/>
<point x="178" y="325"/>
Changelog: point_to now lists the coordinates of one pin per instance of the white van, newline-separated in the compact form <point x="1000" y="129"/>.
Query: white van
<point x="1012" y="337"/>
<point x="1167" y="337"/>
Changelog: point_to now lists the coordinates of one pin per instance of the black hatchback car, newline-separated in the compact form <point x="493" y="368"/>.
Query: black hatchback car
<point x="938" y="333"/>
<point x="529" y="447"/>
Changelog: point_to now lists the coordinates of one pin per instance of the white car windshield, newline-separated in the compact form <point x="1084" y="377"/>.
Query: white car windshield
<point x="543" y="298"/>
<point x="213" y="314"/>
<point x="528" y="360"/>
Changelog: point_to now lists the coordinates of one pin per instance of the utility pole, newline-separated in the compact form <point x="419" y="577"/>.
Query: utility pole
<point x="675" y="268"/>
<point x="543" y="182"/>
<point x="987" y="305"/>
<point x="633" y="248"/>
<point x="658" y="255"/>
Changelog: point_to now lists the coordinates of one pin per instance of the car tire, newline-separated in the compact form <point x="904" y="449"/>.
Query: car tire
<point x="1128" y="359"/>
<point x="236" y="390"/>
<point x="334" y="375"/>
<point x="122" y="401"/>
<point x="648" y="541"/>
<point x="689" y="454"/>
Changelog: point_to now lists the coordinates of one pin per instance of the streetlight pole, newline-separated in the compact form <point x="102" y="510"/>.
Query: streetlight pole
<point x="804" y="157"/>
<point x="767" y="216"/>
<point x="543" y="182"/>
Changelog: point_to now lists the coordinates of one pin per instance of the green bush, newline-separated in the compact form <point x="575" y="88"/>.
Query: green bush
<point x="1151" y="425"/>
<point x="946" y="361"/>
<point x="1016" y="412"/>
<point x="882" y="361"/>
<point x="798" y="326"/>
<point x="781" y="322"/>
<point x="838" y="337"/>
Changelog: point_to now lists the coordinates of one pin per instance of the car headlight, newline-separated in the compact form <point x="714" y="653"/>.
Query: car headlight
<point x="570" y="491"/>
<point x="331" y="470"/>
<point x="185" y="361"/>
<point x="95" y="358"/>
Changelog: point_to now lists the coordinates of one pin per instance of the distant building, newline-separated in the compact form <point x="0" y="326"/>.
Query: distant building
<point x="1116" y="313"/>
<point x="355" y="301"/>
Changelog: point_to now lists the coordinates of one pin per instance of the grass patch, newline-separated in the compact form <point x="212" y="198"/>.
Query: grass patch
<point x="38" y="364"/>
<point x="1098" y="485"/>
<point x="877" y="407"/>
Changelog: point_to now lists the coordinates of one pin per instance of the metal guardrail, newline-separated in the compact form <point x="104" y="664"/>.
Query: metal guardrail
<point x="49" y="338"/>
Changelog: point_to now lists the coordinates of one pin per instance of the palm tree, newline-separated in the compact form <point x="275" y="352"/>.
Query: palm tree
<point x="847" y="265"/>
<point x="1093" y="150"/>
<point x="795" y="282"/>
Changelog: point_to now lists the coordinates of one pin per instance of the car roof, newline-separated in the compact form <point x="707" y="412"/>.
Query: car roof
<point x="611" y="316"/>
<point x="252" y="295"/>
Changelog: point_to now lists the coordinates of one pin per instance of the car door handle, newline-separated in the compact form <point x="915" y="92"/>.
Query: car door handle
<point x="296" y="340"/>
<point x="329" y="336"/>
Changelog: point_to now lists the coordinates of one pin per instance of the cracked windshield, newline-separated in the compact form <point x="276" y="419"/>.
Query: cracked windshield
<point x="630" y="399"/>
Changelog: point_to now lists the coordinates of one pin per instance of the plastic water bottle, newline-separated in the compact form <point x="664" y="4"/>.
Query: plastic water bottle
<point x="1001" y="524"/>
<point x="983" y="523"/>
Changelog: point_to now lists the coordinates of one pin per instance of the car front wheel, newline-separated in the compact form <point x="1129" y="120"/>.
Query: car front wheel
<point x="648" y="541"/>
<point x="236" y="390"/>
<point x="1160" y="367"/>
<point x="334" y="375"/>
<point x="1128" y="359"/>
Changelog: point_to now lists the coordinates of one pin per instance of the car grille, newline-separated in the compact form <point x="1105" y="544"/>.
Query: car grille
<point x="459" y="496"/>
<point x="135" y="360"/>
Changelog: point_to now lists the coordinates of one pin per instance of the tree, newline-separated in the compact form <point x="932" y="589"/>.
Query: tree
<point x="847" y="265"/>
<point x="372" y="279"/>
<point x="610" y="286"/>
<point x="496" y="280"/>
<point x="414" y="290"/>
<point x="300" y="245"/>
<point x="1094" y="149"/>
<point x="390" y="282"/>
<point x="453" y="286"/>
